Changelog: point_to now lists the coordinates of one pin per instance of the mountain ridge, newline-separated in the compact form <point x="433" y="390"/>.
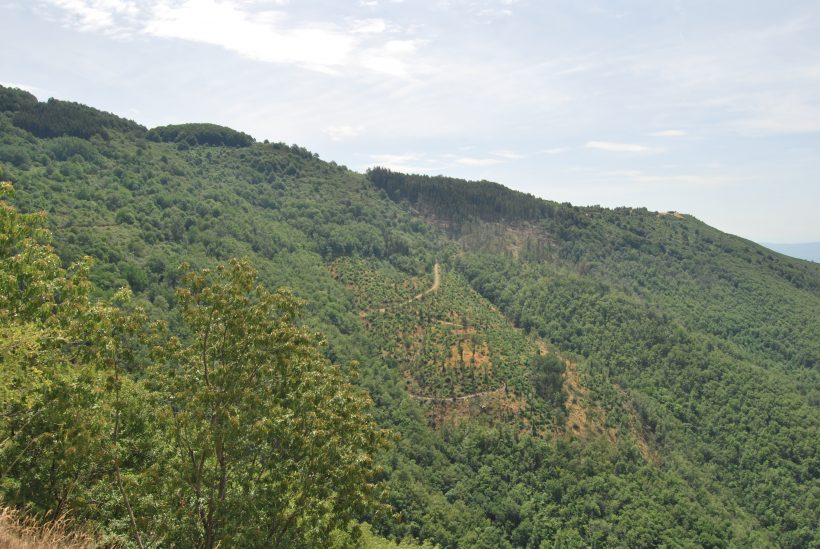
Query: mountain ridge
<point x="697" y="348"/>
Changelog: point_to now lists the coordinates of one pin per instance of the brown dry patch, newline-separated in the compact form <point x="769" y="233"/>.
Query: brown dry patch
<point x="584" y="418"/>
<point x="20" y="532"/>
<point x="481" y="356"/>
<point x="364" y="320"/>
<point x="464" y="332"/>
<point x="464" y="353"/>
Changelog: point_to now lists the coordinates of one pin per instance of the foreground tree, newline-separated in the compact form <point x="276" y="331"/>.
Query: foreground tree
<point x="73" y="429"/>
<point x="271" y="445"/>
<point x="240" y="433"/>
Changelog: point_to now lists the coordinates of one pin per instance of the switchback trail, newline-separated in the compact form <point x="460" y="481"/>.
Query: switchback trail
<point x="431" y="289"/>
<point x="456" y="399"/>
<point x="436" y="283"/>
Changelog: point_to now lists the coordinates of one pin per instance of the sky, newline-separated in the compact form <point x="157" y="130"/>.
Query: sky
<point x="710" y="108"/>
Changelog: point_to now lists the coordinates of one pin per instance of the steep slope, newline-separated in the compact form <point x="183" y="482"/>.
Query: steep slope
<point x="567" y="358"/>
<point x="711" y="338"/>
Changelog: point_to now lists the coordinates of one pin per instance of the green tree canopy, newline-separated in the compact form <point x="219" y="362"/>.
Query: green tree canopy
<point x="240" y="433"/>
<point x="273" y="447"/>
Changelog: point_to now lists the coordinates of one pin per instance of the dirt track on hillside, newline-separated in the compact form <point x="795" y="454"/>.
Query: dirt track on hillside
<point x="430" y="290"/>
<point x="458" y="398"/>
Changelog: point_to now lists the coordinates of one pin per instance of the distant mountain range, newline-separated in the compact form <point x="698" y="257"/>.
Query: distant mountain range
<point x="810" y="251"/>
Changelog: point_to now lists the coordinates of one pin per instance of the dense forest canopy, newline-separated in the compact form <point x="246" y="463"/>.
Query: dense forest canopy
<point x="56" y="118"/>
<point x="200" y="134"/>
<point x="553" y="376"/>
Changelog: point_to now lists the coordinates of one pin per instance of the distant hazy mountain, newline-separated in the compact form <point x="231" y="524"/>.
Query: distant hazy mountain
<point x="806" y="250"/>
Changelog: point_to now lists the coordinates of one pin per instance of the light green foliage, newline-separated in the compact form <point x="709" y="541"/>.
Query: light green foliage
<point x="271" y="445"/>
<point x="61" y="425"/>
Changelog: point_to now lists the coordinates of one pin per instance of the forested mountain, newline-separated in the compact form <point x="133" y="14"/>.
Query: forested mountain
<point x="552" y="376"/>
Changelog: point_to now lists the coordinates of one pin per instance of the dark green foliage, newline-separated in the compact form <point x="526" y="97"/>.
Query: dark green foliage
<point x="546" y="379"/>
<point x="16" y="155"/>
<point x="14" y="99"/>
<point x="56" y="118"/>
<point x="715" y="336"/>
<point x="200" y="134"/>
<point x="456" y="201"/>
<point x="66" y="148"/>
<point x="701" y="395"/>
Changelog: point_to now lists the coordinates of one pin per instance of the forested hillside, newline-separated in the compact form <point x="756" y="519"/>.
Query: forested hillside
<point x="551" y="375"/>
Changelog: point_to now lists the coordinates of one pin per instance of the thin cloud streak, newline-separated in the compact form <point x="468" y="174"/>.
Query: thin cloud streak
<point x="669" y="133"/>
<point x="610" y="146"/>
<point x="340" y="133"/>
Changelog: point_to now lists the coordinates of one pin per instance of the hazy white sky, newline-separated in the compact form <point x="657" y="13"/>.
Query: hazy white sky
<point x="706" y="107"/>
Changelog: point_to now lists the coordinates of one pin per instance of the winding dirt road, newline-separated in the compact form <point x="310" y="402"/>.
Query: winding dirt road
<point x="456" y="399"/>
<point x="431" y="289"/>
<point x="434" y="287"/>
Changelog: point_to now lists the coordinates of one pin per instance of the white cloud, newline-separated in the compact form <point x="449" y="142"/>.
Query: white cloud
<point x="509" y="155"/>
<point x="782" y="115"/>
<point x="555" y="150"/>
<point x="97" y="15"/>
<point x="407" y="162"/>
<point x="611" y="146"/>
<point x="257" y="36"/>
<point x="492" y="12"/>
<point x="668" y="133"/>
<point x="252" y="29"/>
<point x="472" y="161"/>
<point x="390" y="58"/>
<point x="369" y="26"/>
<point x="340" y="133"/>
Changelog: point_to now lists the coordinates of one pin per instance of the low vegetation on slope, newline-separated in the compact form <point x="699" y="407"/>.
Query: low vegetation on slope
<point x="20" y="532"/>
